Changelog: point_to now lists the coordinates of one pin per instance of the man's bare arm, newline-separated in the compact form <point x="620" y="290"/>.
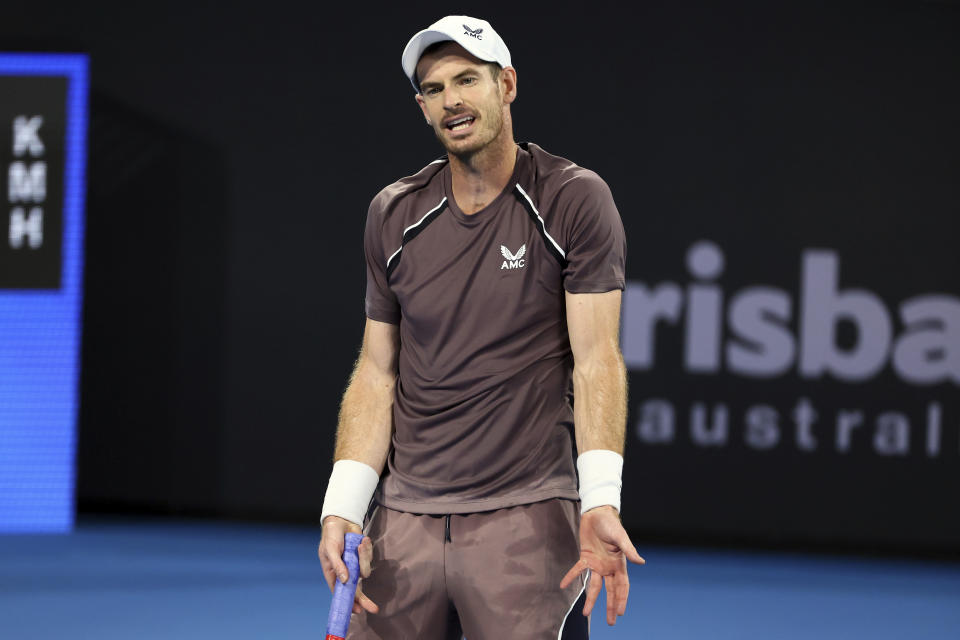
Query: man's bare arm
<point x="363" y="436"/>
<point x="599" y="375"/>
<point x="366" y="412"/>
<point x="600" y="417"/>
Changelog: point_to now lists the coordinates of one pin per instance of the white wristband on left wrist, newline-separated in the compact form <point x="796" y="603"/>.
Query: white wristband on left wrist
<point x="600" y="472"/>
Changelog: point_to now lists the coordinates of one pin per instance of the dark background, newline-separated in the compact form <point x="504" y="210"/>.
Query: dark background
<point x="234" y="150"/>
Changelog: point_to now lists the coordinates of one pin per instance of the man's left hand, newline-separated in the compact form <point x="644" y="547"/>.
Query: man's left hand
<point x="604" y="549"/>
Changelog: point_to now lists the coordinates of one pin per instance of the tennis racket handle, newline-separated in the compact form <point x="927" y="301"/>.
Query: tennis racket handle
<point x="342" y="605"/>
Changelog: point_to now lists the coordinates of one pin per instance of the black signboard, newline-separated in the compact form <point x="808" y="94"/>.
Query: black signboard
<point x="32" y="126"/>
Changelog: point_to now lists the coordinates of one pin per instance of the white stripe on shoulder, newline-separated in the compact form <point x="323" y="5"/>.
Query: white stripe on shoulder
<point x="425" y="216"/>
<point x="414" y="226"/>
<point x="393" y="255"/>
<point x="574" y="603"/>
<point x="438" y="161"/>
<point x="542" y="223"/>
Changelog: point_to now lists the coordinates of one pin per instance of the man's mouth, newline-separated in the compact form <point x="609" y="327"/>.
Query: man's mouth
<point x="459" y="124"/>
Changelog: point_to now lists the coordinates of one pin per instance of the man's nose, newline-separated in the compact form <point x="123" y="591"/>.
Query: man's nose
<point x="452" y="99"/>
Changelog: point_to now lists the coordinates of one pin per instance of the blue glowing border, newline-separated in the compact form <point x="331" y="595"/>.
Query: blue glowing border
<point x="54" y="504"/>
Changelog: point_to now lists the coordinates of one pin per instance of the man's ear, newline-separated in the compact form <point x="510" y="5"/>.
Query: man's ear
<point x="423" y="108"/>
<point x="508" y="84"/>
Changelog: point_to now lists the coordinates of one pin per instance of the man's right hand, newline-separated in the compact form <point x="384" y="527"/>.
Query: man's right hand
<point x="331" y="558"/>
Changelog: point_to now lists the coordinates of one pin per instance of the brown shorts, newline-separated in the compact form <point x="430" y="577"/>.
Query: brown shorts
<point x="493" y="575"/>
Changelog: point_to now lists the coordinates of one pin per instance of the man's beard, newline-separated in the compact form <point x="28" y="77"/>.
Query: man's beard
<point x="491" y="123"/>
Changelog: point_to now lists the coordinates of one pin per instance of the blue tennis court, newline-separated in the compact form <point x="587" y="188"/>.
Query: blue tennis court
<point x="147" y="579"/>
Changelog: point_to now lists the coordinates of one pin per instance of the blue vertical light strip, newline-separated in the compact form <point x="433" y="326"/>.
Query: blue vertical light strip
<point x="40" y="334"/>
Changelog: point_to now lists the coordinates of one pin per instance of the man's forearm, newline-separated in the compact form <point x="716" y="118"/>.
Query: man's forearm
<point x="600" y="401"/>
<point x="366" y="417"/>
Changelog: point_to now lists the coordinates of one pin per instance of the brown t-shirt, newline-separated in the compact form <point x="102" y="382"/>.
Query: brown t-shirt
<point x="483" y="414"/>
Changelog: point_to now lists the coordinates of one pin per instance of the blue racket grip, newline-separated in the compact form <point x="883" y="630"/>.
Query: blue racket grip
<point x="343" y="593"/>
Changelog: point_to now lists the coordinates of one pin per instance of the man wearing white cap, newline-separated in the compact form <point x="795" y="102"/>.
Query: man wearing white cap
<point x="494" y="278"/>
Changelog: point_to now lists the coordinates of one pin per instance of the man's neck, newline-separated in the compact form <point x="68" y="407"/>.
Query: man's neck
<point x="479" y="178"/>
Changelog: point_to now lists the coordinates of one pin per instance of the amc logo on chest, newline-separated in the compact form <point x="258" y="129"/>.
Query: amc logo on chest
<point x="513" y="260"/>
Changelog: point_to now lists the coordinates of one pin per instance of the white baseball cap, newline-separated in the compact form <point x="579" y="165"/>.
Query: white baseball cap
<point x="473" y="34"/>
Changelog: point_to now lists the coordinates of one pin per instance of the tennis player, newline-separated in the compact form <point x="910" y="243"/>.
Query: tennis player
<point x="494" y="278"/>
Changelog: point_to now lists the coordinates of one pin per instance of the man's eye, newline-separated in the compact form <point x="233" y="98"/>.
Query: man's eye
<point x="468" y="80"/>
<point x="432" y="91"/>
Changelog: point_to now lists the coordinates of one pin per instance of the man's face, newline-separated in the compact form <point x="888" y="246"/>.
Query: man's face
<point x="460" y="99"/>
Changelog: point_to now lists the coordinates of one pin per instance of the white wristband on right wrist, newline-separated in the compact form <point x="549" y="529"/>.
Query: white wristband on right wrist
<point x="600" y="472"/>
<point x="349" y="491"/>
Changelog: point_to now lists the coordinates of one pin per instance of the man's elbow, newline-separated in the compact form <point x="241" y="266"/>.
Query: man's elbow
<point x="371" y="377"/>
<point x="605" y="363"/>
